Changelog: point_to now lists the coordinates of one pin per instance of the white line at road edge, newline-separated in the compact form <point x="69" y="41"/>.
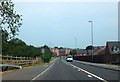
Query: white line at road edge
<point x="42" y="72"/>
<point x="89" y="73"/>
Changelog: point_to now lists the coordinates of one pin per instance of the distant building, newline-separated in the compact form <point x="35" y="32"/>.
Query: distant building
<point x="60" y="52"/>
<point x="99" y="50"/>
<point x="55" y="51"/>
<point x="81" y="52"/>
<point x="84" y="52"/>
<point x="112" y="51"/>
<point x="67" y="51"/>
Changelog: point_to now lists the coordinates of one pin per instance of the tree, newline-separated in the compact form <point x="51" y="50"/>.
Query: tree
<point x="17" y="47"/>
<point x="4" y="36"/>
<point x="10" y="20"/>
<point x="89" y="48"/>
<point x="73" y="52"/>
<point x="13" y="46"/>
<point x="56" y="47"/>
<point x="48" y="54"/>
<point x="16" y="42"/>
<point x="60" y="48"/>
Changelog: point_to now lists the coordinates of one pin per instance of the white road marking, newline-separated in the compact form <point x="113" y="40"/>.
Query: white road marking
<point x="42" y="73"/>
<point x="78" y="69"/>
<point x="75" y="67"/>
<point x="93" y="75"/>
<point x="89" y="76"/>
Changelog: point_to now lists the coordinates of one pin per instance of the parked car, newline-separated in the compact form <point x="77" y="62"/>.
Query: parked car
<point x="69" y="58"/>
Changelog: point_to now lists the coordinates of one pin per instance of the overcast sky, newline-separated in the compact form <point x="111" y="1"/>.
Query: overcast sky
<point x="57" y="23"/>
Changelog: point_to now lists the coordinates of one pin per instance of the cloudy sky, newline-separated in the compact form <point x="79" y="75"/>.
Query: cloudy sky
<point x="58" y="23"/>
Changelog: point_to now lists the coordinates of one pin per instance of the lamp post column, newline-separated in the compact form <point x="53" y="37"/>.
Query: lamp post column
<point x="91" y="22"/>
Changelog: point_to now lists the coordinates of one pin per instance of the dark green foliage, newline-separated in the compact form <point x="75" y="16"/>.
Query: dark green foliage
<point x="60" y="48"/>
<point x="56" y="47"/>
<point x="89" y="47"/>
<point x="16" y="47"/>
<point x="73" y="52"/>
<point x="10" y="20"/>
<point x="47" y="55"/>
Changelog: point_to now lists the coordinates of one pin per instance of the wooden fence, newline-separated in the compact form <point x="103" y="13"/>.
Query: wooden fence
<point x="20" y="61"/>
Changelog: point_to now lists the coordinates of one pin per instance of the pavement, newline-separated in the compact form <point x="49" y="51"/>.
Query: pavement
<point x="106" y="66"/>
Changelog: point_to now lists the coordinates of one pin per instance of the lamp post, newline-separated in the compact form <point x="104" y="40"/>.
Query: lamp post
<point x="91" y="22"/>
<point x="75" y="42"/>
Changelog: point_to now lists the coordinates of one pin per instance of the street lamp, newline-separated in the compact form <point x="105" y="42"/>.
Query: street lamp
<point x="75" y="41"/>
<point x="91" y="22"/>
<point x="76" y="44"/>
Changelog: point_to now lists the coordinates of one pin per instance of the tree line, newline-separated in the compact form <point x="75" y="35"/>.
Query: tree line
<point x="17" y="47"/>
<point x="10" y="22"/>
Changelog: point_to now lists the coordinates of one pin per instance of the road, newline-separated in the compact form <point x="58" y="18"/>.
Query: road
<point x="62" y="70"/>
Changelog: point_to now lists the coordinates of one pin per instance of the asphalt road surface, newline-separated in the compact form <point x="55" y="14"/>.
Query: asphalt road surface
<point x="62" y="70"/>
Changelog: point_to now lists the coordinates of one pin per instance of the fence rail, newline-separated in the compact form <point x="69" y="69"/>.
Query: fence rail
<point x="20" y="61"/>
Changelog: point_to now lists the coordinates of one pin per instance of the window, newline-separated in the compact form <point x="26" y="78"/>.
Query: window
<point x="115" y="49"/>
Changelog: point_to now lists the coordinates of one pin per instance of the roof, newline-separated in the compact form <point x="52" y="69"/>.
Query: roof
<point x="82" y="51"/>
<point x="114" y="47"/>
<point x="100" y="50"/>
<point x="62" y="50"/>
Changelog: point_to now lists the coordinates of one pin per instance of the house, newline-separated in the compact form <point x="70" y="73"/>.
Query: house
<point x="84" y="52"/>
<point x="67" y="51"/>
<point x="62" y="52"/>
<point x="55" y="51"/>
<point x="99" y="50"/>
<point x="112" y="52"/>
<point x="81" y="52"/>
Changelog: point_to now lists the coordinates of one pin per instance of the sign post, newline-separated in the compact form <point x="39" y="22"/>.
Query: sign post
<point x="43" y="51"/>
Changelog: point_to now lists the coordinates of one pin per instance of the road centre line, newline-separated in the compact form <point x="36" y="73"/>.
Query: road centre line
<point x="88" y="73"/>
<point x="42" y="72"/>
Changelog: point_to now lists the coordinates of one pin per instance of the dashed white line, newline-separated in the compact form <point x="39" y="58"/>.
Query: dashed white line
<point x="90" y="74"/>
<point x="78" y="69"/>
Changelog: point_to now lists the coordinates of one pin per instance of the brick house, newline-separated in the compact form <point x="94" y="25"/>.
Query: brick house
<point x="62" y="52"/>
<point x="112" y="52"/>
<point x="99" y="50"/>
<point x="55" y="51"/>
<point x="81" y="52"/>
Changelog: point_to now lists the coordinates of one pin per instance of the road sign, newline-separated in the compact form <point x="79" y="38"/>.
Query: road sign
<point x="42" y="50"/>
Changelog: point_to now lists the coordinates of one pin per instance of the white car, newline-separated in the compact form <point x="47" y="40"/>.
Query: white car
<point x="69" y="59"/>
